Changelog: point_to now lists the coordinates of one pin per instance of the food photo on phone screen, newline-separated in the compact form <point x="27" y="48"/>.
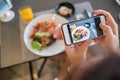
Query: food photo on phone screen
<point x="85" y="29"/>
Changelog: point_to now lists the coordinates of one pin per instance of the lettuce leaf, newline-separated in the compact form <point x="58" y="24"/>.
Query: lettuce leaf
<point x="37" y="45"/>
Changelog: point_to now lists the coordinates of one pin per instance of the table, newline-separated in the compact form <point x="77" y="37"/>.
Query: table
<point x="80" y="8"/>
<point x="10" y="48"/>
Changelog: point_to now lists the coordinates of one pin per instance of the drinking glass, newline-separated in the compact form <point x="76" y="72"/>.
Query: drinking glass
<point x="26" y="13"/>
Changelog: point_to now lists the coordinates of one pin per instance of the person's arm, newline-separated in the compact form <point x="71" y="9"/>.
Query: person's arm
<point x="76" y="55"/>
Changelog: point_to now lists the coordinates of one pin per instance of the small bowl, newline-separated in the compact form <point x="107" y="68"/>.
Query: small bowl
<point x="65" y="9"/>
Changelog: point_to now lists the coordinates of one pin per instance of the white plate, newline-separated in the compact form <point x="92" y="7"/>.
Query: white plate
<point x="56" y="47"/>
<point x="85" y="37"/>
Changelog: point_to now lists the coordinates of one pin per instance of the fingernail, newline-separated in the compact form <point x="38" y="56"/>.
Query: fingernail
<point x="101" y="25"/>
<point x="59" y="25"/>
<point x="94" y="14"/>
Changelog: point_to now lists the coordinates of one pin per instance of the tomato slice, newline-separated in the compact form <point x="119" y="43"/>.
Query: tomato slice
<point x="43" y="39"/>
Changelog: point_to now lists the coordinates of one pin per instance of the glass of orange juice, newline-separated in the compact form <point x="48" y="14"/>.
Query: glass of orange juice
<point x="26" y="13"/>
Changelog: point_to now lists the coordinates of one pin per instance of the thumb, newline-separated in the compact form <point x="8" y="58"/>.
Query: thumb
<point x="106" y="29"/>
<point x="85" y="47"/>
<point x="86" y="43"/>
<point x="58" y="33"/>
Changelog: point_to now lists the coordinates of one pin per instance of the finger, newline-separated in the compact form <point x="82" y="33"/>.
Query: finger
<point x="58" y="32"/>
<point x="78" y="44"/>
<point x="67" y="48"/>
<point x="83" y="45"/>
<point x="99" y="40"/>
<point x="110" y="21"/>
<point x="86" y="43"/>
<point x="106" y="14"/>
<point x="106" y="29"/>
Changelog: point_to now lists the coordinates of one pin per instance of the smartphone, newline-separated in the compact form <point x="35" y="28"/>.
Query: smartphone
<point x="81" y="30"/>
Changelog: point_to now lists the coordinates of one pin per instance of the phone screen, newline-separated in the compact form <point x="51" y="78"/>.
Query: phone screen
<point x="84" y="29"/>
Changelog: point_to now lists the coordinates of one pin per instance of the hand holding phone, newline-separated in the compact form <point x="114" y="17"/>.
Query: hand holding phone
<point x="81" y="30"/>
<point x="111" y="40"/>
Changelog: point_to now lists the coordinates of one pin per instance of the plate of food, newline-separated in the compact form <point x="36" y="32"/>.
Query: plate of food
<point x="80" y="34"/>
<point x="38" y="35"/>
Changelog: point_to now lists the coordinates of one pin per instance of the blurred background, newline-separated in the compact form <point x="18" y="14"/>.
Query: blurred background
<point x="17" y="62"/>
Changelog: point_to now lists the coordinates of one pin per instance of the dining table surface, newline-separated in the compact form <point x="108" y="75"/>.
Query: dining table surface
<point x="10" y="36"/>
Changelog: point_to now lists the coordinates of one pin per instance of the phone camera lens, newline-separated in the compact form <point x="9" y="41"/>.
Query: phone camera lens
<point x="87" y="25"/>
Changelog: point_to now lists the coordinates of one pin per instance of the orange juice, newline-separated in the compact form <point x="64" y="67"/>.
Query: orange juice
<point x="73" y="26"/>
<point x="26" y="14"/>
